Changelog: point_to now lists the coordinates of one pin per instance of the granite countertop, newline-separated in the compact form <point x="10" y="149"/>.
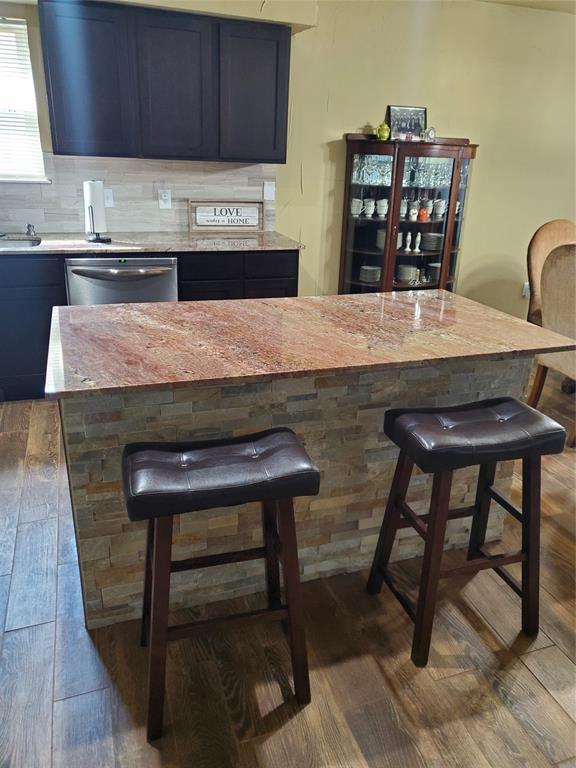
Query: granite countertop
<point x="120" y="347"/>
<point x="159" y="242"/>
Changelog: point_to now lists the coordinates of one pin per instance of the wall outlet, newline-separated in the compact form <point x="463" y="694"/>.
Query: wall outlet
<point x="526" y="290"/>
<point x="164" y="198"/>
<point x="108" y="197"/>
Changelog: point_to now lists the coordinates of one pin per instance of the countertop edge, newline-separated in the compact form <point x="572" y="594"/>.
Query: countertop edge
<point x="68" y="244"/>
<point x="54" y="394"/>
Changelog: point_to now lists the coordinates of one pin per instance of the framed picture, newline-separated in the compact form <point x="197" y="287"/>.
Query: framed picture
<point x="406" y="123"/>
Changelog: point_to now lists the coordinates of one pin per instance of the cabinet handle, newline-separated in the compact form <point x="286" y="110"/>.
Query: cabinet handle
<point x="101" y="273"/>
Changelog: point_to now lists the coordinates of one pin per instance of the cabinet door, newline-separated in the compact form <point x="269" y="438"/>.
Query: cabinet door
<point x="90" y="79"/>
<point x="24" y="344"/>
<point x="254" y="70"/>
<point x="270" y="288"/>
<point x="178" y="84"/>
<point x="210" y="265"/>
<point x="271" y="264"/>
<point x="208" y="290"/>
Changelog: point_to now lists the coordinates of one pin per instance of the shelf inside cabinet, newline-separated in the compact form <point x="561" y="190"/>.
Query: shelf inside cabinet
<point x="363" y="283"/>
<point x="369" y="219"/>
<point x="401" y="285"/>
<point x="427" y="222"/>
<point x="367" y="251"/>
<point x="363" y="184"/>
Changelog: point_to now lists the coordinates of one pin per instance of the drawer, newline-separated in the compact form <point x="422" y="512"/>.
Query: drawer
<point x="208" y="290"/>
<point x="16" y="271"/>
<point x="270" y="288"/>
<point x="271" y="264"/>
<point x="210" y="265"/>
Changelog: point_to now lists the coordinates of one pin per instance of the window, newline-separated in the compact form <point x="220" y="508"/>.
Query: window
<point x="20" y="151"/>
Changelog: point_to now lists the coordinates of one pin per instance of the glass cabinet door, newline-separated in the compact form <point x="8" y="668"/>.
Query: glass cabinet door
<point x="369" y="199"/>
<point x="421" y="221"/>
<point x="465" y="168"/>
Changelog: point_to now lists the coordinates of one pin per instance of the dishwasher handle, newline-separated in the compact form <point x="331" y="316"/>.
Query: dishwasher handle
<point x="112" y="273"/>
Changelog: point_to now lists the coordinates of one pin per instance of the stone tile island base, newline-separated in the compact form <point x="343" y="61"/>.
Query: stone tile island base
<point x="340" y="420"/>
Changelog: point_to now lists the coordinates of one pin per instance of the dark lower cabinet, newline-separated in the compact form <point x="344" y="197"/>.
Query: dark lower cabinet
<point x="177" y="73"/>
<point x="237" y="275"/>
<point x="254" y="70"/>
<point x="90" y="78"/>
<point x="29" y="289"/>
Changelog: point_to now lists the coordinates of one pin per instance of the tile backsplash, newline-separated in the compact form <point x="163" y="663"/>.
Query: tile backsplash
<point x="59" y="207"/>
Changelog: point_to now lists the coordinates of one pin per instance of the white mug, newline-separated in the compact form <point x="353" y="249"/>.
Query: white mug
<point x="382" y="207"/>
<point x="356" y="206"/>
<point x="369" y="206"/>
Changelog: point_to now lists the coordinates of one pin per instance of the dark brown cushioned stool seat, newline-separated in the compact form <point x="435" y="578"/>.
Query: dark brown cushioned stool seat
<point x="439" y="439"/>
<point x="162" y="480"/>
<point x="174" y="478"/>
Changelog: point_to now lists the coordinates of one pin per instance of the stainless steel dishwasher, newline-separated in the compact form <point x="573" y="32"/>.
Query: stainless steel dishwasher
<point x="118" y="280"/>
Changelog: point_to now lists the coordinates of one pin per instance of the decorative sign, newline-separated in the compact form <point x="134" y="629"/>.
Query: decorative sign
<point x="222" y="215"/>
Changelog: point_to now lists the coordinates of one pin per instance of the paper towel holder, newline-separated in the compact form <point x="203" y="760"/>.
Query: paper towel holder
<point x="95" y="237"/>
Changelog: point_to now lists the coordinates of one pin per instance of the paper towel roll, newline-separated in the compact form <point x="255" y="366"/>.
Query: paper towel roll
<point x="94" y="212"/>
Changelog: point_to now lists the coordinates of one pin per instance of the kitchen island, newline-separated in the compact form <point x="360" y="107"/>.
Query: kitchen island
<point x="328" y="367"/>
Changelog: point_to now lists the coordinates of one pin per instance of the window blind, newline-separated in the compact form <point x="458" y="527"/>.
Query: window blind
<point x="20" y="149"/>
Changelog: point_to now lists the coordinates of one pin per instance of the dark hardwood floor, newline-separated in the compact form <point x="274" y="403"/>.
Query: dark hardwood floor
<point x="489" y="698"/>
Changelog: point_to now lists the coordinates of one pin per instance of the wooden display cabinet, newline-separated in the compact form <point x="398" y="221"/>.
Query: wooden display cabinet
<point x="404" y="208"/>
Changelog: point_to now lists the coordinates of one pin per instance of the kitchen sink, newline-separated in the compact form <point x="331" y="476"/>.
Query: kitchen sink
<point x="14" y="242"/>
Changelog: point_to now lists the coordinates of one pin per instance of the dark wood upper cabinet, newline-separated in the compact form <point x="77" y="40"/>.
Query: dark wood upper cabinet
<point x="254" y="71"/>
<point x="128" y="81"/>
<point x="177" y="74"/>
<point x="90" y="78"/>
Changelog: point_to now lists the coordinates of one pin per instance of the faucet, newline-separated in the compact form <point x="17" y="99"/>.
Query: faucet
<point x="30" y="231"/>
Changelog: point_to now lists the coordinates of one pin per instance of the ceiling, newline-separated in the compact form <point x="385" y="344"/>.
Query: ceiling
<point x="561" y="6"/>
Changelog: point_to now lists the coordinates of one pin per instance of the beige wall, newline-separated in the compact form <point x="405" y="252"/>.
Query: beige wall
<point x="502" y="75"/>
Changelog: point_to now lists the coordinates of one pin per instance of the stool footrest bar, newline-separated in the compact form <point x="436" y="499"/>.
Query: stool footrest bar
<point x="185" y="630"/>
<point x="504" y="503"/>
<point x="400" y="596"/>
<point x="223" y="558"/>
<point x="506" y="577"/>
<point x="414" y="520"/>
<point x="453" y="514"/>
<point x="482" y="563"/>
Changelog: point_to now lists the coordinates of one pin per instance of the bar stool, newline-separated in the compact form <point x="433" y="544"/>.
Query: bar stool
<point x="166" y="479"/>
<point x="440" y="440"/>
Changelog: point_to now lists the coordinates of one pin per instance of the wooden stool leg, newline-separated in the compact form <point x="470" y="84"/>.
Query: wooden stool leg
<point x="530" y="544"/>
<point x="159" y="624"/>
<point x="145" y="625"/>
<point x="486" y="476"/>
<point x="390" y="522"/>
<point x="571" y="439"/>
<point x="431" y="567"/>
<point x="270" y="535"/>
<point x="294" y="600"/>
<point x="537" y="386"/>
